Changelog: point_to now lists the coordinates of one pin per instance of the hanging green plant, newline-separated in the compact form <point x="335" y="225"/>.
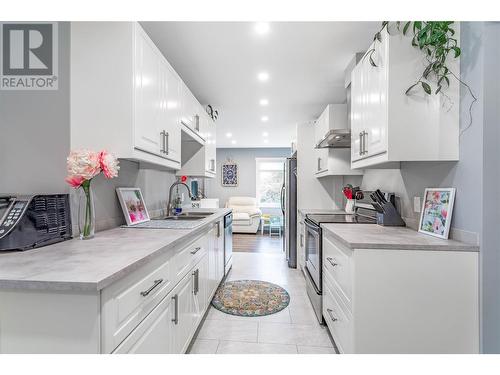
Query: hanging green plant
<point x="436" y="40"/>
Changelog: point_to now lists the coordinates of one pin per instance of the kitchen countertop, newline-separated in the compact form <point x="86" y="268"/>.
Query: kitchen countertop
<point x="309" y="211"/>
<point x="91" y="265"/>
<point x="372" y="236"/>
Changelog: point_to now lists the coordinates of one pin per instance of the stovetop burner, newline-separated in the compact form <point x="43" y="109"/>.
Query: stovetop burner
<point x="341" y="219"/>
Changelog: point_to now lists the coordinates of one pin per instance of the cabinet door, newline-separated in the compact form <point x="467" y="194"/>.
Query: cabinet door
<point x="202" y="286"/>
<point x="184" y="313"/>
<point x="375" y="102"/>
<point x="357" y="110"/>
<point x="212" y="262"/>
<point x="220" y="253"/>
<point x="147" y="92"/>
<point x="172" y="112"/>
<point x="210" y="147"/>
<point x="155" y="333"/>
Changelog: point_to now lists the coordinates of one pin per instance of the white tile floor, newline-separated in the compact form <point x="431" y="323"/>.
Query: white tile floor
<point x="291" y="331"/>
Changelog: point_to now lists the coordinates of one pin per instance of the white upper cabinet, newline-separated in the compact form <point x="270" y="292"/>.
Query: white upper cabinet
<point x="125" y="96"/>
<point x="203" y="160"/>
<point x="332" y="161"/>
<point x="389" y="126"/>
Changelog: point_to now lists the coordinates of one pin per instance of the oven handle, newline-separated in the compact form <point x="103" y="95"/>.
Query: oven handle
<point x="313" y="227"/>
<point x="311" y="281"/>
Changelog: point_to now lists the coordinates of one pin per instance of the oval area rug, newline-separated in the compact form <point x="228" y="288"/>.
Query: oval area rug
<point x="250" y="298"/>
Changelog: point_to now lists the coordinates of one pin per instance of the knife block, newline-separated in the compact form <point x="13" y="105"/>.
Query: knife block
<point x="390" y="217"/>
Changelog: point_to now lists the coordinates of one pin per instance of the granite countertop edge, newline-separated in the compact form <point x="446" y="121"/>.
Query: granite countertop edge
<point x="30" y="282"/>
<point x="439" y="245"/>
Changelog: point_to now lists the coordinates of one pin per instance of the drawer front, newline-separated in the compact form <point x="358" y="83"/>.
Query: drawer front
<point x="338" y="320"/>
<point x="127" y="302"/>
<point x="338" y="265"/>
<point x="187" y="257"/>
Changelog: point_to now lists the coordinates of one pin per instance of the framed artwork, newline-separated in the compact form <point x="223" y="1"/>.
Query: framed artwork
<point x="435" y="218"/>
<point x="230" y="174"/>
<point x="133" y="206"/>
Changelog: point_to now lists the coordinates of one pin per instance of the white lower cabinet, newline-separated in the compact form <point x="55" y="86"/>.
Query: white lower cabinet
<point x="155" y="333"/>
<point x="400" y="301"/>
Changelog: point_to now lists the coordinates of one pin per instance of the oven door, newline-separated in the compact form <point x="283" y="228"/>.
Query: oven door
<point x="313" y="253"/>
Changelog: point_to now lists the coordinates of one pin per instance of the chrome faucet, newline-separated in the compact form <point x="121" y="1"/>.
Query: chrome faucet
<point x="169" y="206"/>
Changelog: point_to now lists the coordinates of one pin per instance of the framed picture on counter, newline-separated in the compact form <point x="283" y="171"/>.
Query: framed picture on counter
<point x="133" y="205"/>
<point x="435" y="218"/>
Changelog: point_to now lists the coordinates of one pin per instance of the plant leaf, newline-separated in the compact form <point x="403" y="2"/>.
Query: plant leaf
<point x="409" y="88"/>
<point x="426" y="88"/>
<point x="406" y="26"/>
<point x="378" y="37"/>
<point x="457" y="51"/>
<point x="372" y="62"/>
<point x="438" y="89"/>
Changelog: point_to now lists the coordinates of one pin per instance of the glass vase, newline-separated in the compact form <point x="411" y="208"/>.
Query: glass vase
<point x="86" y="212"/>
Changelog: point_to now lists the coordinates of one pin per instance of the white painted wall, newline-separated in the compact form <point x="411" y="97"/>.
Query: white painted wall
<point x="245" y="157"/>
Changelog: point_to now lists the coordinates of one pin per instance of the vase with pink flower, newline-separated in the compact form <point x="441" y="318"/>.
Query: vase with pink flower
<point x="83" y="166"/>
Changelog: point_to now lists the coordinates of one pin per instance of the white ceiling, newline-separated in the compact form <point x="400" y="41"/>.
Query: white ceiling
<point x="219" y="61"/>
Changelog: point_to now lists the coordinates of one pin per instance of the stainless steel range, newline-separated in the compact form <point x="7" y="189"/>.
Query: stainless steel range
<point x="314" y="251"/>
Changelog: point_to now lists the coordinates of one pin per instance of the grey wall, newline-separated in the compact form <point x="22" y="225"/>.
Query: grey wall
<point x="476" y="176"/>
<point x="245" y="157"/>
<point x="35" y="141"/>
<point x="34" y="133"/>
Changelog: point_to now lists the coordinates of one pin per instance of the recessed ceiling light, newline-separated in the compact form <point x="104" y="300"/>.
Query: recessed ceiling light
<point x="264" y="118"/>
<point x="229" y="135"/>
<point x="262" y="28"/>
<point x="265" y="134"/>
<point x="266" y="141"/>
<point x="264" y="102"/>
<point x="233" y="142"/>
<point x="263" y="76"/>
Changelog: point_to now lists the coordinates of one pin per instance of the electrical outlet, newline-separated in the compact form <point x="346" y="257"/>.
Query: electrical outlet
<point x="416" y="204"/>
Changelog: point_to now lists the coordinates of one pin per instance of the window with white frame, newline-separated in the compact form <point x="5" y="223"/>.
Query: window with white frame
<point x="269" y="180"/>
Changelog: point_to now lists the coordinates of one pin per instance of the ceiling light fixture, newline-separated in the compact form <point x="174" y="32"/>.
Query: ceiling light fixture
<point x="233" y="142"/>
<point x="229" y="135"/>
<point x="264" y="118"/>
<point x="265" y="134"/>
<point x="262" y="28"/>
<point x="264" y="102"/>
<point x="266" y="141"/>
<point x="263" y="76"/>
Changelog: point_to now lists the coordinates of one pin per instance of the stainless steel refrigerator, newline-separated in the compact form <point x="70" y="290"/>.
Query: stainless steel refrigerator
<point x="289" y="208"/>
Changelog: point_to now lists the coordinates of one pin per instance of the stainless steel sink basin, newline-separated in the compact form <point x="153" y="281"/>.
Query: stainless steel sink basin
<point x="187" y="216"/>
<point x="184" y="217"/>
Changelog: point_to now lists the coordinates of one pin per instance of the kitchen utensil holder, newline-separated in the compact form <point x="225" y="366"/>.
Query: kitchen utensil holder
<point x="390" y="216"/>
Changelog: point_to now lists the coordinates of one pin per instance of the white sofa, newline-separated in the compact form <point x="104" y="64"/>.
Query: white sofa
<point x="246" y="214"/>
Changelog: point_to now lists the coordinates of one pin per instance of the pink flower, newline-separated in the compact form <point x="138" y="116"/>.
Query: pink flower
<point x="109" y="164"/>
<point x="83" y="164"/>
<point x="74" y="181"/>
<point x="444" y="213"/>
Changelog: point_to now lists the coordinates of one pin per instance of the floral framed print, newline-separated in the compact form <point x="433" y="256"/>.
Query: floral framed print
<point x="133" y="206"/>
<point x="229" y="174"/>
<point x="435" y="218"/>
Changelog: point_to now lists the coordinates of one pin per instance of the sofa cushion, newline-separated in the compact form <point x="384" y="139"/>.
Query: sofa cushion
<point x="241" y="218"/>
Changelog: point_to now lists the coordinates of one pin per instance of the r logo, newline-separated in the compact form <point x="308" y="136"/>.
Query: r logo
<point x="27" y="49"/>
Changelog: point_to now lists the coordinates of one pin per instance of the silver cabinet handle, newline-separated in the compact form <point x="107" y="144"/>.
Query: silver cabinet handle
<point x="167" y="148"/>
<point x="197" y="123"/>
<point x="176" y="309"/>
<point x="163" y="145"/>
<point x="301" y="240"/>
<point x="196" y="284"/>
<point x="319" y="164"/>
<point x="330" y="312"/>
<point x="360" y="143"/>
<point x="218" y="229"/>
<point x="330" y="260"/>
<point x="196" y="250"/>
<point x="156" y="283"/>
<point x="212" y="165"/>
<point x="365" y="151"/>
